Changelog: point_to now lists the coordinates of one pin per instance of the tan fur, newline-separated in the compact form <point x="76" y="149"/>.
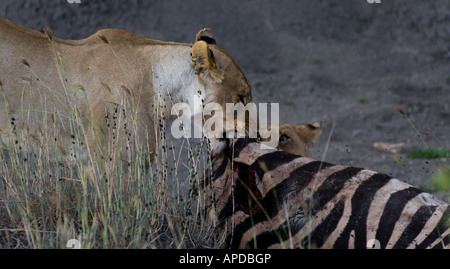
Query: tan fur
<point x="203" y="62"/>
<point x="112" y="72"/>
<point x="298" y="139"/>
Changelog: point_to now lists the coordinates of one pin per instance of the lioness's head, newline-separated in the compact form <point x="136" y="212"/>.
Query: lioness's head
<point x="218" y="71"/>
<point x="220" y="75"/>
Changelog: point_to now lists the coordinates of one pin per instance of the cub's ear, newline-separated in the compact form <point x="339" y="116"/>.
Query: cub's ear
<point x="205" y="35"/>
<point x="204" y="62"/>
<point x="309" y="132"/>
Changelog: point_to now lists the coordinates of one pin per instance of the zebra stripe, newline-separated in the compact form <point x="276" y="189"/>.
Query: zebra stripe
<point x="272" y="199"/>
<point x="434" y="232"/>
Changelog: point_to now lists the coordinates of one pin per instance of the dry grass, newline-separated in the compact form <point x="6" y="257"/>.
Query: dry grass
<point x="98" y="193"/>
<point x="44" y="203"/>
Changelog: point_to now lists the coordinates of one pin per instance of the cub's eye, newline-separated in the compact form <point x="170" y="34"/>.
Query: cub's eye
<point x="284" y="138"/>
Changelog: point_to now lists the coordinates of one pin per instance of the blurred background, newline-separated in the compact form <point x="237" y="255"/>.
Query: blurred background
<point x="347" y="64"/>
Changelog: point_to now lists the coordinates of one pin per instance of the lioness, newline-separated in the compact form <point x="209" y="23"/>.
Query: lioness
<point x="108" y="82"/>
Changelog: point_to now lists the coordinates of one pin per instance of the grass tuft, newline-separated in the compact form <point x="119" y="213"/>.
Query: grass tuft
<point x="442" y="179"/>
<point x="429" y="153"/>
<point x="361" y="100"/>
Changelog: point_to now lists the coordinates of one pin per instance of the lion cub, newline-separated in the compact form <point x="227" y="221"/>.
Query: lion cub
<point x="297" y="139"/>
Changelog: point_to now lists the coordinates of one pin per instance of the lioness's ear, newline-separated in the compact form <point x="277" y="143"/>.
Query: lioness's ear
<point x="309" y="133"/>
<point x="204" y="62"/>
<point x="205" y="35"/>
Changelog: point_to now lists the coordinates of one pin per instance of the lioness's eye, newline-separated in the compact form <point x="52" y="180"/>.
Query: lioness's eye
<point x="284" y="138"/>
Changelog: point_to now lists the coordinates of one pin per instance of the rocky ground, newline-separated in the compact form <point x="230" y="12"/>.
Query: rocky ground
<point x="347" y="64"/>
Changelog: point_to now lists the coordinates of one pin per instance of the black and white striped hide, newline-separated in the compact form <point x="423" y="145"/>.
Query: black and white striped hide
<point x="266" y="198"/>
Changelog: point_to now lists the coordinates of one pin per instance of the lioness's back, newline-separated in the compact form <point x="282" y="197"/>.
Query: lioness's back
<point x="9" y="27"/>
<point x="51" y="82"/>
<point x="116" y="36"/>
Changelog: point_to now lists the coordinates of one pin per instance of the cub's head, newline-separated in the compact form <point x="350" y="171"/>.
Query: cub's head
<point x="298" y="139"/>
